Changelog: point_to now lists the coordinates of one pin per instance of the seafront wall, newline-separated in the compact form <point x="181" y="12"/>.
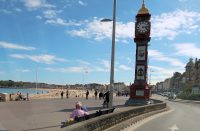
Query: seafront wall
<point x="111" y="120"/>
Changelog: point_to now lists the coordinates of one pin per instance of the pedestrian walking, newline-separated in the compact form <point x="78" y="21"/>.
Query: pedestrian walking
<point x="87" y="94"/>
<point x="106" y="99"/>
<point x="62" y="93"/>
<point x="95" y="94"/>
<point x="27" y="96"/>
<point x="100" y="95"/>
<point x="67" y="94"/>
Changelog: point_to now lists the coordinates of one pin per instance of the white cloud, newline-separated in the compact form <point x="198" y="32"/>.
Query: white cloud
<point x="18" y="9"/>
<point x="45" y="58"/>
<point x="106" y="65"/>
<point x="62" y="22"/>
<point x="129" y="60"/>
<point x="161" y="73"/>
<point x="82" y="62"/>
<point x="103" y="66"/>
<point x="35" y="4"/>
<point x="182" y="0"/>
<point x="101" y="69"/>
<point x="78" y="69"/>
<point x="85" y="67"/>
<point x="8" y="45"/>
<point x="39" y="17"/>
<point x="103" y="30"/>
<point x="125" y="68"/>
<point x="82" y="3"/>
<point x="67" y="70"/>
<point x="159" y="56"/>
<point x="125" y="41"/>
<point x="23" y="70"/>
<point x="5" y="11"/>
<point x="49" y="14"/>
<point x="6" y="62"/>
<point x="188" y="50"/>
<point x="167" y="72"/>
<point x="167" y="25"/>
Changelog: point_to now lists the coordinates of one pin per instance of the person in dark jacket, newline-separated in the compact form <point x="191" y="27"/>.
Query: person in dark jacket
<point x="106" y="97"/>
<point x="100" y="95"/>
<point x="95" y="94"/>
<point x="62" y="93"/>
<point x="87" y="94"/>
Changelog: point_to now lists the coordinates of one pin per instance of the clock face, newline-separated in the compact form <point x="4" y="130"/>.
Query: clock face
<point x="143" y="27"/>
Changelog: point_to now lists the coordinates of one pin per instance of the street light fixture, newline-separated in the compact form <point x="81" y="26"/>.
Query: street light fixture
<point x="106" y="20"/>
<point x="110" y="104"/>
<point x="36" y="78"/>
<point x="150" y="71"/>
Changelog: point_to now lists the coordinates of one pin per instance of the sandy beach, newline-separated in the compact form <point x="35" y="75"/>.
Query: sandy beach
<point x="56" y="93"/>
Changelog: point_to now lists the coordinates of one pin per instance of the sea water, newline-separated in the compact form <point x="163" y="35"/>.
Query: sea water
<point x="22" y="91"/>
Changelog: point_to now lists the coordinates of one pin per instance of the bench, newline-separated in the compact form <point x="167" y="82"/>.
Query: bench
<point x="83" y="118"/>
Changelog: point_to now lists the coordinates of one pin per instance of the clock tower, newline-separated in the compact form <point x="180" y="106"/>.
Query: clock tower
<point x="139" y="91"/>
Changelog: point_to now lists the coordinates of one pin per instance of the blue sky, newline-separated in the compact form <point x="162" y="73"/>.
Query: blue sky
<point x="65" y="42"/>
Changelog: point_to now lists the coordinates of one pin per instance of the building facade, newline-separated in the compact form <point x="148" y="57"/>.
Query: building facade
<point x="188" y="79"/>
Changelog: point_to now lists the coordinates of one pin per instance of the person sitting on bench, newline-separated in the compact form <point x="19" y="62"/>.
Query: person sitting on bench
<point x="78" y="112"/>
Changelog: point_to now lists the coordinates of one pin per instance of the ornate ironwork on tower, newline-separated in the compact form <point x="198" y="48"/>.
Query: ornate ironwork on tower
<point x="139" y="91"/>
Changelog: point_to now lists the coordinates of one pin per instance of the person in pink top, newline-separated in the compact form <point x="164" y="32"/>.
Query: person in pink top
<point x="78" y="111"/>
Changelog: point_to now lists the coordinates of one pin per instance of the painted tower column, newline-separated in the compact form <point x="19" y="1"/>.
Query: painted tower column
<point x="139" y="91"/>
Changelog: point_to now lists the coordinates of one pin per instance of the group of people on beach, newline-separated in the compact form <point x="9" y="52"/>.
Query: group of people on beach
<point x="62" y="94"/>
<point x="105" y="96"/>
<point x="18" y="96"/>
<point x="101" y="94"/>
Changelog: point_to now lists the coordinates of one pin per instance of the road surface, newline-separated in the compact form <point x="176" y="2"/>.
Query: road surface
<point x="183" y="116"/>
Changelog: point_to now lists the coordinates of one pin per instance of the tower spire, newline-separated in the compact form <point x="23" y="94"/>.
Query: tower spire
<point x="143" y="9"/>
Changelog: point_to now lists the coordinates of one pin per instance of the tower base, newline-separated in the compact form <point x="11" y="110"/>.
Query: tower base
<point x="136" y="102"/>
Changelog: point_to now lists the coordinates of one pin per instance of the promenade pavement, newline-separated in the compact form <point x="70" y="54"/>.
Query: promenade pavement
<point x="44" y="114"/>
